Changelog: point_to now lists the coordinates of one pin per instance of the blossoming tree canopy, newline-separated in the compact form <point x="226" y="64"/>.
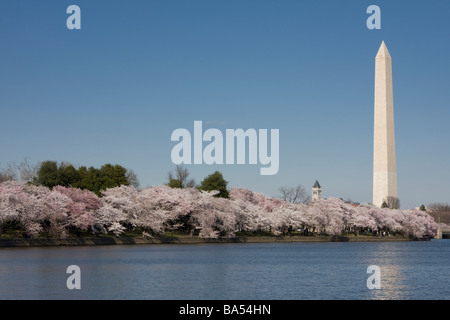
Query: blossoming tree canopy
<point x="59" y="211"/>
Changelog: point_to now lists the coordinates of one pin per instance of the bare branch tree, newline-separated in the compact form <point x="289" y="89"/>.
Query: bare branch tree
<point x="132" y="178"/>
<point x="190" y="183"/>
<point x="439" y="207"/>
<point x="181" y="174"/>
<point x="296" y="194"/>
<point x="23" y="171"/>
<point x="392" y="202"/>
<point x="5" y="176"/>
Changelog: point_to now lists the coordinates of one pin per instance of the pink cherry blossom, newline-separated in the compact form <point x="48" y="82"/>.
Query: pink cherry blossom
<point x="161" y="208"/>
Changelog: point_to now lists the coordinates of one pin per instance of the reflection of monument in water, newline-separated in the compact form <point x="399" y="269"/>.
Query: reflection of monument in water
<point x="384" y="166"/>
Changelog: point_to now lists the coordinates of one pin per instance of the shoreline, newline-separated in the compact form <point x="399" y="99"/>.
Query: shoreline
<point x="99" y="241"/>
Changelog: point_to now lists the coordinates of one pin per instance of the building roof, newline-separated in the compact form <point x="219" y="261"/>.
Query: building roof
<point x="317" y="185"/>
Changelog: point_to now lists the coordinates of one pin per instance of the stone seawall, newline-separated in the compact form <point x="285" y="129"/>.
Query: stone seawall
<point x="95" y="241"/>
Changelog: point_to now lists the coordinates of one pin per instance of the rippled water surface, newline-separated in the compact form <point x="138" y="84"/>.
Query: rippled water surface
<point x="280" y="271"/>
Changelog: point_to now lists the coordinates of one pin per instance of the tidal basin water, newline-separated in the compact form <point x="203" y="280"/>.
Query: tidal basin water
<point x="277" y="271"/>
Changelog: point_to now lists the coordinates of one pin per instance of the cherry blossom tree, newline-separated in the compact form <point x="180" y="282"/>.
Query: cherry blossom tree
<point x="418" y="224"/>
<point x="120" y="206"/>
<point x="81" y="207"/>
<point x="266" y="213"/>
<point x="151" y="208"/>
<point x="157" y="209"/>
<point x="364" y="220"/>
<point x="212" y="216"/>
<point x="37" y="209"/>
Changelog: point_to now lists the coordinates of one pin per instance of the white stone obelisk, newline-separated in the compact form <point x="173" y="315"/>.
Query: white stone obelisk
<point x="384" y="166"/>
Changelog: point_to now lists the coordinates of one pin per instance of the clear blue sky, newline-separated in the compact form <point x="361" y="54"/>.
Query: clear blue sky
<point x="114" y="91"/>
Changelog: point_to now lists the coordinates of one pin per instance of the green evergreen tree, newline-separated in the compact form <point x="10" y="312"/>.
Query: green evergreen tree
<point x="175" y="183"/>
<point x="216" y="182"/>
<point x="67" y="175"/>
<point x="95" y="180"/>
<point x="47" y="174"/>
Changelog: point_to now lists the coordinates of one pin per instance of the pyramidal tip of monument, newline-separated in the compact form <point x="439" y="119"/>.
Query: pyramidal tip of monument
<point x="383" y="51"/>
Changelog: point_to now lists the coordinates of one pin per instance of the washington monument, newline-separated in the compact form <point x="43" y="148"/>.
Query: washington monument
<point x="384" y="167"/>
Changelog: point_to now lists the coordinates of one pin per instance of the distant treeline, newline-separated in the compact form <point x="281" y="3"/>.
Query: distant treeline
<point x="50" y="174"/>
